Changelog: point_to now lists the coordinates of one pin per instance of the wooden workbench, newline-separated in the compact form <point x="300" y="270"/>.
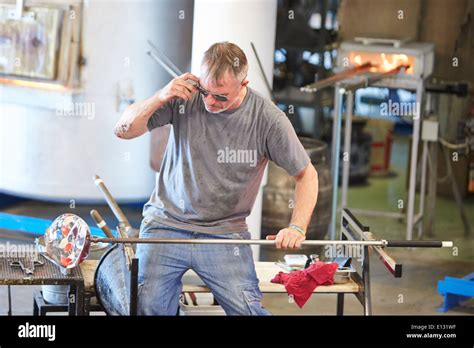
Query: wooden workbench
<point x="265" y="272"/>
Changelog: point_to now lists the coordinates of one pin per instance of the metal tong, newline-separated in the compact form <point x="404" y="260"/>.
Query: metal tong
<point x="28" y="271"/>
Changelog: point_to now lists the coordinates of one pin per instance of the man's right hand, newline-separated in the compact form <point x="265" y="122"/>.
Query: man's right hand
<point x="179" y="87"/>
<point x="134" y="120"/>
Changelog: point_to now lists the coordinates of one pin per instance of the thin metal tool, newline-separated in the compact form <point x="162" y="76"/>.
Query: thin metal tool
<point x="330" y="81"/>
<point x="20" y="264"/>
<point x="267" y="83"/>
<point x="163" y="60"/>
<point x="166" y="67"/>
<point x="170" y="67"/>
<point x="370" y="80"/>
<point x="28" y="271"/>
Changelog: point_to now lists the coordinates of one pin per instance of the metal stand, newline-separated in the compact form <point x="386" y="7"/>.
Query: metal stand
<point x="336" y="143"/>
<point x="352" y="229"/>
<point x="412" y="219"/>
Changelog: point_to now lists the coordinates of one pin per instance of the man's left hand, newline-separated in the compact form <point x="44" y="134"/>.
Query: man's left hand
<point x="287" y="238"/>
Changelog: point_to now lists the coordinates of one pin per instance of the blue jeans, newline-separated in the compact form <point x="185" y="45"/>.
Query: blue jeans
<point x="227" y="270"/>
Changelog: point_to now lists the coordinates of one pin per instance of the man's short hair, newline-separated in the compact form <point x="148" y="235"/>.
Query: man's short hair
<point x="222" y="57"/>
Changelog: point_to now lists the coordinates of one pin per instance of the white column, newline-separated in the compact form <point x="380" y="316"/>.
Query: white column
<point x="240" y="22"/>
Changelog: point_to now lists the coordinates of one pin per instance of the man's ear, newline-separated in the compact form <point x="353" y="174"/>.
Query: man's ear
<point x="245" y="83"/>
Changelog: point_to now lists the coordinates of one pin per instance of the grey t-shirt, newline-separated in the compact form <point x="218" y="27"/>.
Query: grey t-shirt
<point x="213" y="165"/>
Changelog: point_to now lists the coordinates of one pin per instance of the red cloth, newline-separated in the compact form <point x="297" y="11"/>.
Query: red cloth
<point x="300" y="284"/>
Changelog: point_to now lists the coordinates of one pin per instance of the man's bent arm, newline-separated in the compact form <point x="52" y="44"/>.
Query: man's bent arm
<point x="134" y="120"/>
<point x="306" y="196"/>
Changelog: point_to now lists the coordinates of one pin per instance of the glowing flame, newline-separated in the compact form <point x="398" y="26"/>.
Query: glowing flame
<point x="358" y="60"/>
<point x="394" y="60"/>
<point x="382" y="62"/>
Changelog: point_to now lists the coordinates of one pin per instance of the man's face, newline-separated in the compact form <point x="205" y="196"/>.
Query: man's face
<point x="227" y="86"/>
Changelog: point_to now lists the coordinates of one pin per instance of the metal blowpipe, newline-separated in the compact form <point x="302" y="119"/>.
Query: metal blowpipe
<point x="380" y="243"/>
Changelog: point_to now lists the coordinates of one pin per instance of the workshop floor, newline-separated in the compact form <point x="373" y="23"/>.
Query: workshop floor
<point x="414" y="293"/>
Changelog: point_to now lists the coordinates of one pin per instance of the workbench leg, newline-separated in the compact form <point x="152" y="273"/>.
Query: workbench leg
<point x="35" y="307"/>
<point x="134" y="287"/>
<point x="366" y="279"/>
<point x="80" y="299"/>
<point x="9" y="290"/>
<point x="87" y="303"/>
<point x="340" y="304"/>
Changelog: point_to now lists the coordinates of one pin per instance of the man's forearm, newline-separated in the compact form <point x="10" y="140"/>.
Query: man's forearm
<point x="306" y="196"/>
<point x="134" y="120"/>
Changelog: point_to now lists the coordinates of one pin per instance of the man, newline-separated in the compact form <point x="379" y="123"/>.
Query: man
<point x="223" y="134"/>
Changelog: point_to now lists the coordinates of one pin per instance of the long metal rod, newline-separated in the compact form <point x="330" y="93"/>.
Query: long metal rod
<point x="424" y="159"/>
<point x="346" y="158"/>
<point x="382" y="243"/>
<point x="346" y="74"/>
<point x="370" y="80"/>
<point x="229" y="241"/>
<point x="166" y="67"/>
<point x="267" y="83"/>
<point x="366" y="278"/>
<point x="414" y="160"/>
<point x="163" y="60"/>
<point x="335" y="146"/>
<point x="111" y="202"/>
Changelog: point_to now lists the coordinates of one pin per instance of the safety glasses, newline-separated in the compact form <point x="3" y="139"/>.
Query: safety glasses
<point x="205" y="93"/>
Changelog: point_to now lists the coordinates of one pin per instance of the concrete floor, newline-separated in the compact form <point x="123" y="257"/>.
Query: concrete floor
<point x="414" y="293"/>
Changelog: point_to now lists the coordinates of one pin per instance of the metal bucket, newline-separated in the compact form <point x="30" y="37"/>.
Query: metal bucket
<point x="278" y="201"/>
<point x="58" y="294"/>
<point x="55" y="294"/>
<point x="112" y="282"/>
<point x="359" y="164"/>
